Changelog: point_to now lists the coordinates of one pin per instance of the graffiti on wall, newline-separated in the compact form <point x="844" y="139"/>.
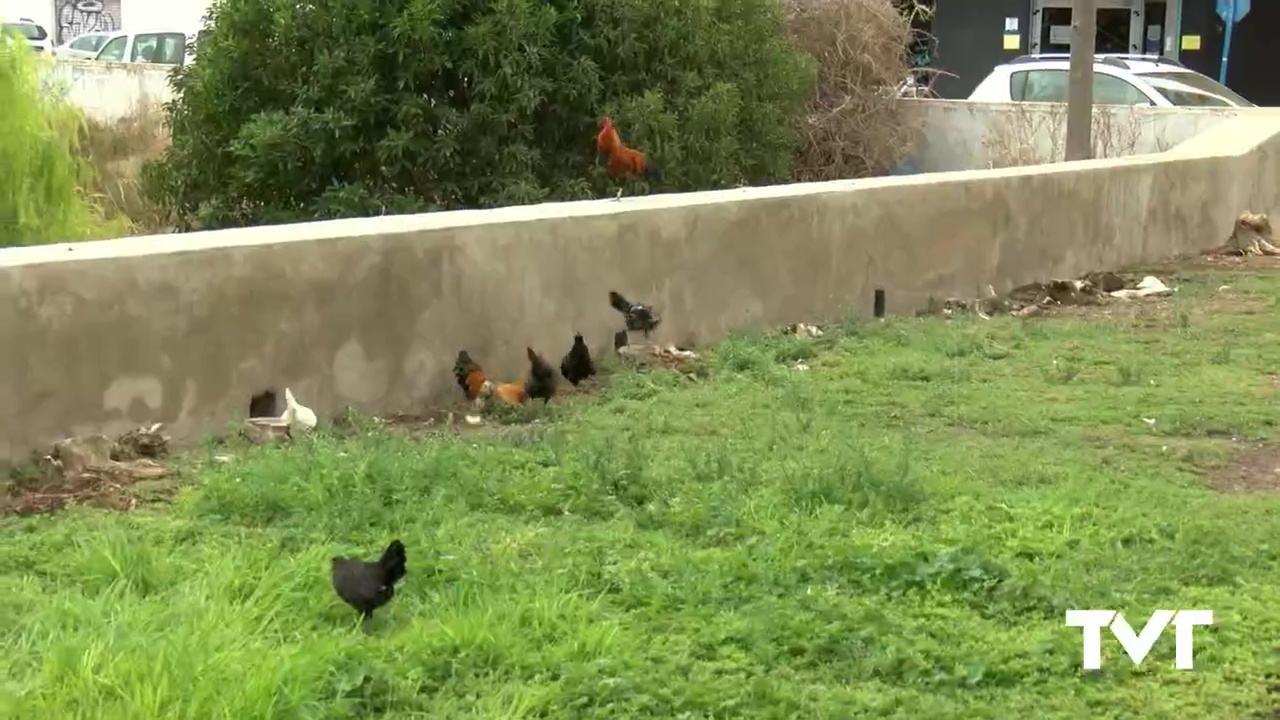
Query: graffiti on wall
<point x="77" y="17"/>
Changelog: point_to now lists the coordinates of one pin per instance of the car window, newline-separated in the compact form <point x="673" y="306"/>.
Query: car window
<point x="165" y="48"/>
<point x="88" y="43"/>
<point x="114" y="50"/>
<point x="27" y="30"/>
<point x="1111" y="90"/>
<point x="1038" y="86"/>
<point x="1184" y="96"/>
<point x="1051" y="86"/>
<point x="1197" y="82"/>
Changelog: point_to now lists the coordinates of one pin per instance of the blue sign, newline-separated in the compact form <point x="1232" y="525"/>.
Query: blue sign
<point x="1226" y="8"/>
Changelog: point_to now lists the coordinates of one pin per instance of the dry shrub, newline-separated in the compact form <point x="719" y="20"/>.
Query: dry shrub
<point x="1022" y="134"/>
<point x="118" y="150"/>
<point x="857" y="126"/>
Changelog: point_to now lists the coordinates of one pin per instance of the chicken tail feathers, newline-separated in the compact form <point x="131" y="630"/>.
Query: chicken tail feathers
<point x="393" y="562"/>
<point x="652" y="172"/>
<point x="619" y="303"/>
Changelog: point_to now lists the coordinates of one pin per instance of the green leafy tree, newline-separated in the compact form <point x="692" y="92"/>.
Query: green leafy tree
<point x="302" y="109"/>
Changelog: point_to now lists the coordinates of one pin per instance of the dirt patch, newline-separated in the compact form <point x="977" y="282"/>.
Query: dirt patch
<point x="93" y="470"/>
<point x="1254" y="467"/>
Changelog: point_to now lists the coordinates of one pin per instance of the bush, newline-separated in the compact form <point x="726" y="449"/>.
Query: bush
<point x="118" y="150"/>
<point x="856" y="126"/>
<point x="337" y="108"/>
<point x="41" y="169"/>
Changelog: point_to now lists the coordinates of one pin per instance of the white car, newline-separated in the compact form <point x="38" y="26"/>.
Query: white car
<point x="34" y="33"/>
<point x="83" y="47"/>
<point x="1117" y="80"/>
<point x="165" y="47"/>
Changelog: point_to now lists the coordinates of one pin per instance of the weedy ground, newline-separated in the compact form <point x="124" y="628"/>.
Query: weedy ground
<point x="895" y="532"/>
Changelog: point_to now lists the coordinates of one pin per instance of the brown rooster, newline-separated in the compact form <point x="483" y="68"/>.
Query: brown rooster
<point x="474" y="383"/>
<point x="469" y="374"/>
<point x="622" y="162"/>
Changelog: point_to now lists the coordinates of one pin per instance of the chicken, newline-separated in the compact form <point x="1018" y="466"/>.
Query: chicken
<point x="509" y="393"/>
<point x="620" y="339"/>
<point x="622" y="162"/>
<point x="297" y="416"/>
<point x="639" y="317"/>
<point x="478" y="387"/>
<point x="542" y="378"/>
<point x="469" y="375"/>
<point x="367" y="586"/>
<point x="577" y="365"/>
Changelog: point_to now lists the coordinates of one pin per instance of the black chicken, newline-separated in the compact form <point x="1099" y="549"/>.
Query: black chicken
<point x="576" y="365"/>
<point x="640" y="318"/>
<point x="542" y="378"/>
<point x="367" y="586"/>
<point x="620" y="339"/>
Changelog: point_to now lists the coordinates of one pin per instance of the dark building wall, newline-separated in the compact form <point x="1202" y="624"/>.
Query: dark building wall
<point x="970" y="41"/>
<point x="1200" y="18"/>
<point x="1251" y="71"/>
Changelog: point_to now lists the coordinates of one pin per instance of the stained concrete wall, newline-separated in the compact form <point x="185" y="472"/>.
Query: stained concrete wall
<point x="183" y="329"/>
<point x="963" y="135"/>
<point x="108" y="91"/>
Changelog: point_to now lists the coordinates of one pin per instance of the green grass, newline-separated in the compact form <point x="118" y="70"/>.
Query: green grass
<point x="895" y="533"/>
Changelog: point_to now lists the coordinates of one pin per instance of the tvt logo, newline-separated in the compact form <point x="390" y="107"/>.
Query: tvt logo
<point x="1138" y="645"/>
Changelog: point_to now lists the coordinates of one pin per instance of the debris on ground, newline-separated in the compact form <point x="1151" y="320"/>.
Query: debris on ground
<point x="92" y="470"/>
<point x="1149" y="286"/>
<point x="1252" y="235"/>
<point x="664" y="357"/>
<point x="1035" y="299"/>
<point x="803" y="330"/>
<point x="266" y="431"/>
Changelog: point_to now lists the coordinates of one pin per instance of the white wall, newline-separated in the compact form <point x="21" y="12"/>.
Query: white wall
<point x="39" y="10"/>
<point x="109" y="91"/>
<point x="963" y="135"/>
<point x="181" y="15"/>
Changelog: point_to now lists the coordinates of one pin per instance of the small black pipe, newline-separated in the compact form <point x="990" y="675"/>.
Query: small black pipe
<point x="879" y="303"/>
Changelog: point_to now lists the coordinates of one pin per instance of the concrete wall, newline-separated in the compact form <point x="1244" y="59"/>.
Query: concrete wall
<point x="107" y="91"/>
<point x="183" y="329"/>
<point x="962" y="135"/>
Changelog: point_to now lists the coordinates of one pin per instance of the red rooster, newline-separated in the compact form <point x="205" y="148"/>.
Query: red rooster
<point x="622" y="162"/>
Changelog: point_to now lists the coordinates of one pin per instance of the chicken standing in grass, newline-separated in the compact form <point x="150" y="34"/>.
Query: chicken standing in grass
<point x="299" y="417"/>
<point x="577" y="365"/>
<point x="478" y="387"/>
<point x="367" y="586"/>
<point x="469" y="374"/>
<point x="639" y="317"/>
<point x="541" y="384"/>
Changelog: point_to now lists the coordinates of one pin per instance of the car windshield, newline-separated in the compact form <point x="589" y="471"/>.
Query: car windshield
<point x="27" y="30"/>
<point x="1191" y="88"/>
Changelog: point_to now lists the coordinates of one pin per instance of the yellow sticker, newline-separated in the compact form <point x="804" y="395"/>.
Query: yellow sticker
<point x="1190" y="42"/>
<point x="1013" y="42"/>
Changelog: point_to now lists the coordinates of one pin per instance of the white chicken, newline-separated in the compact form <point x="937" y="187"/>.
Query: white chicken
<point x="296" y="415"/>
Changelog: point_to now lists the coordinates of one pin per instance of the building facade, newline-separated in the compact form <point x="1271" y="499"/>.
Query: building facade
<point x="973" y="36"/>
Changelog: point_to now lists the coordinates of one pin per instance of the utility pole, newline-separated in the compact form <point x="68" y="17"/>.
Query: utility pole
<point x="1084" y="28"/>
